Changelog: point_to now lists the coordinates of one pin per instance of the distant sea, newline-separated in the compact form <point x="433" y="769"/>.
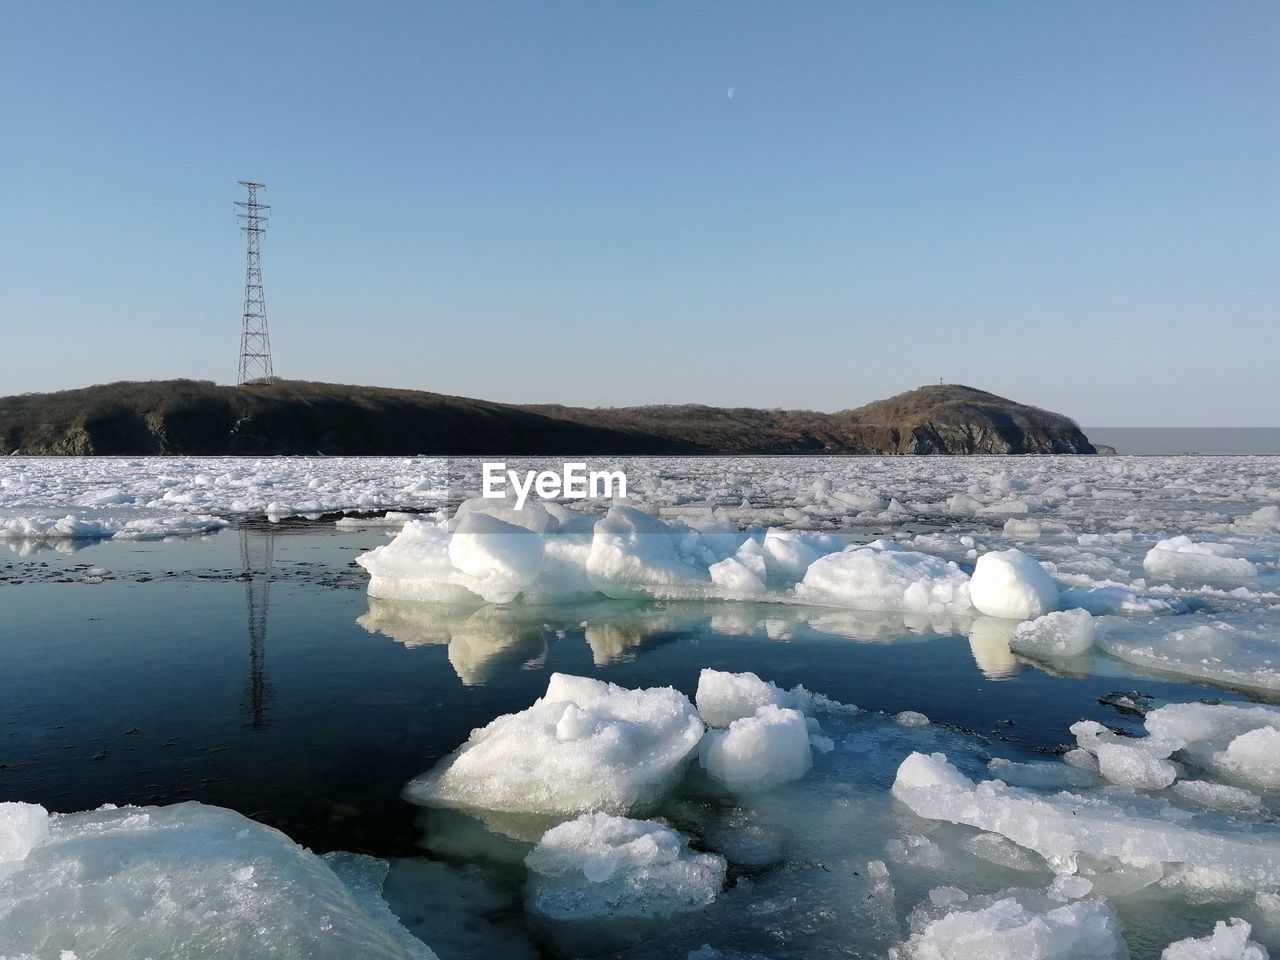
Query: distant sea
<point x="1174" y="440"/>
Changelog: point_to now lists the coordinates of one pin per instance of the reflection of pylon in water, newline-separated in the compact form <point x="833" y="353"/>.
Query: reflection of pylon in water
<point x="256" y="553"/>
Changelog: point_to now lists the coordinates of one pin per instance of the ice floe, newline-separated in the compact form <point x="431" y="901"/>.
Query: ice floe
<point x="600" y="865"/>
<point x="627" y="554"/>
<point x="189" y="880"/>
<point x="1123" y="565"/>
<point x="1218" y="652"/>
<point x="1179" y="557"/>
<point x="884" y="576"/>
<point x="1128" y="845"/>
<point x="1068" y="828"/>
<point x="1139" y="763"/>
<point x="1229" y="941"/>
<point x="758" y="752"/>
<point x="1006" y="930"/>
<point x="724" y="697"/>
<point x="1118" y="849"/>
<point x="74" y="527"/>
<point x="1012" y="585"/>
<point x="1064" y="633"/>
<point x="586" y="745"/>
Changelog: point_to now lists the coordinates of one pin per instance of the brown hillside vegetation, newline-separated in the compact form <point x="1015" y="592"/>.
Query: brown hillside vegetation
<point x="297" y="417"/>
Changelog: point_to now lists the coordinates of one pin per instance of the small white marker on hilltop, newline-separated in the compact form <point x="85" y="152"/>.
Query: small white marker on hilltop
<point x="573" y="482"/>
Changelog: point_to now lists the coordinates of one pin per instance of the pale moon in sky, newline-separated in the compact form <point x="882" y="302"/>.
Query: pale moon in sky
<point x="730" y="93"/>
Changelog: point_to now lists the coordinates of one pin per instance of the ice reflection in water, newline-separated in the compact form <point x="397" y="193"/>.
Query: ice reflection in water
<point x="482" y="641"/>
<point x="989" y="641"/>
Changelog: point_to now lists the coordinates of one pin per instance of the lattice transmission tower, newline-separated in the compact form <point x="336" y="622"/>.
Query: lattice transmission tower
<point x="255" y="341"/>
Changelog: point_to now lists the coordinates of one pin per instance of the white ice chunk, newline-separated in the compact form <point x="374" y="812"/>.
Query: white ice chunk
<point x="735" y="579"/>
<point x="533" y="516"/>
<point x="751" y="556"/>
<point x="105" y="496"/>
<point x="1065" y="826"/>
<point x="1131" y="762"/>
<point x="22" y="826"/>
<point x="496" y="559"/>
<point x="725" y="697"/>
<point x="1179" y="557"/>
<point x="1215" y="724"/>
<point x="1069" y="886"/>
<point x="1006" y="930"/>
<point x="1003" y="852"/>
<point x="1218" y="796"/>
<point x="1103" y="600"/>
<point x="1216" y="652"/>
<point x="788" y="553"/>
<point x="585" y="745"/>
<point x="415" y="566"/>
<point x="963" y="505"/>
<point x="72" y="527"/>
<point x="1063" y="633"/>
<point x="1262" y="520"/>
<point x="635" y="555"/>
<point x="183" y="880"/>
<point x="1229" y="941"/>
<point x="882" y="576"/>
<point x="1022" y="529"/>
<point x="1232" y="741"/>
<point x="543" y="553"/>
<point x="602" y="866"/>
<point x="1132" y="766"/>
<point x="1010" y="584"/>
<point x="759" y="752"/>
<point x="927" y="772"/>
<point x="1255" y="757"/>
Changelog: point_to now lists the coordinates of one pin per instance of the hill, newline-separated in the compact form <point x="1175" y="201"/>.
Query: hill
<point x="190" y="417"/>
<point x="947" y="419"/>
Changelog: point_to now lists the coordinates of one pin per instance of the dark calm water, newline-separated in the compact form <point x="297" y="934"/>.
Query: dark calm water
<point x="236" y="670"/>
<point x="1160" y="441"/>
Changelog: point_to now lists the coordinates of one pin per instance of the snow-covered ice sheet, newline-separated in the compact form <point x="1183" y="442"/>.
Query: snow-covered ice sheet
<point x="1215" y="499"/>
<point x="50" y="488"/>
<point x="1234" y="647"/>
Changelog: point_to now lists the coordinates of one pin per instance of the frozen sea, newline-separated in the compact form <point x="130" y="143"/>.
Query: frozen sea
<point x="178" y="630"/>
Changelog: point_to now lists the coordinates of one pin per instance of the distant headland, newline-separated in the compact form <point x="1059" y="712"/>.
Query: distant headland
<point x="193" y="418"/>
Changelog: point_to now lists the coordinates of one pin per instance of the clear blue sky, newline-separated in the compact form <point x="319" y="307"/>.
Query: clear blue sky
<point x="1073" y="204"/>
